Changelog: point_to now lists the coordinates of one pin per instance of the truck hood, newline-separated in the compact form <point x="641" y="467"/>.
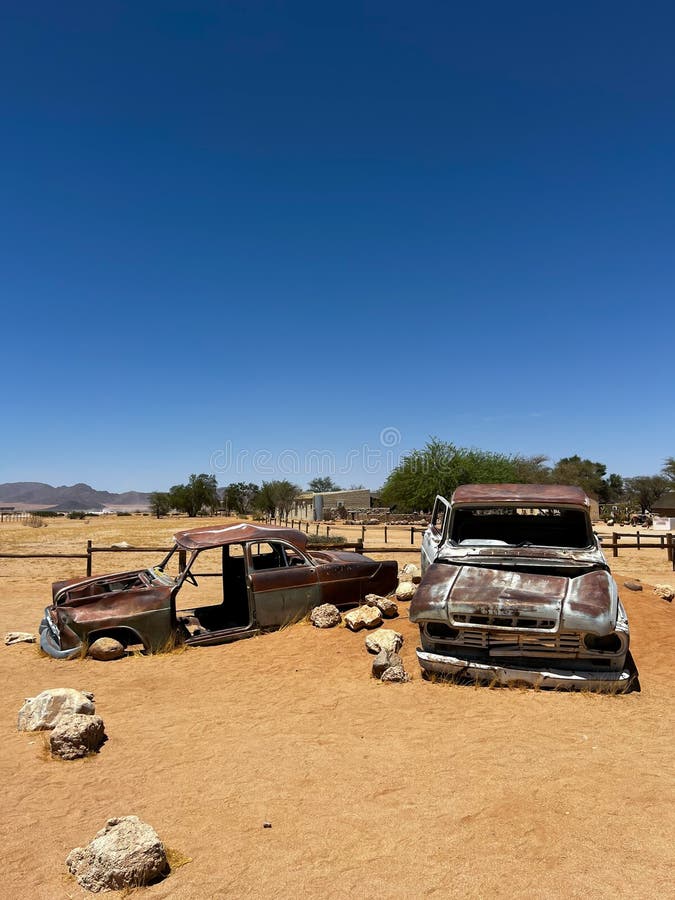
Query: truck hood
<point x="473" y="596"/>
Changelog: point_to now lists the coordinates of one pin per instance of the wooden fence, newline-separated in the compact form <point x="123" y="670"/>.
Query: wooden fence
<point x="317" y="527"/>
<point x="642" y="541"/>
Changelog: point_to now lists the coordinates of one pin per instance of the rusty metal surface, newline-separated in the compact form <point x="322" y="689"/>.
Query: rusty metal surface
<point x="537" y="494"/>
<point x="208" y="537"/>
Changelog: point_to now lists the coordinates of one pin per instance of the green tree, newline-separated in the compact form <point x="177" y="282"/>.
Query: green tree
<point x="200" y="491"/>
<point x="645" y="490"/>
<point x="160" y="503"/>
<point x="585" y="473"/>
<point x="240" y="497"/>
<point x="321" y="484"/>
<point x="440" y="467"/>
<point x="276" y="497"/>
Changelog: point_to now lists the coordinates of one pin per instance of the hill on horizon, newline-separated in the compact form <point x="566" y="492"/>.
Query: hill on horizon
<point x="38" y="495"/>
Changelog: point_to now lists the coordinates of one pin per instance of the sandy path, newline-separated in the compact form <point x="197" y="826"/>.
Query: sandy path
<point x="372" y="790"/>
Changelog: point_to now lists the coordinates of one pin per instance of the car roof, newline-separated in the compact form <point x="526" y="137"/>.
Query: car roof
<point x="218" y="536"/>
<point x="545" y="494"/>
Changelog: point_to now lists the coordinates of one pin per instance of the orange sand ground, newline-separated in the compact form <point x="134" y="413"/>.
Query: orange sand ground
<point x="373" y="790"/>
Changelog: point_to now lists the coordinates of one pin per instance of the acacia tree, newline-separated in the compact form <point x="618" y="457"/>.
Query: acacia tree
<point x="645" y="490"/>
<point x="200" y="491"/>
<point x="668" y="470"/>
<point x="321" y="484"/>
<point x="160" y="503"/>
<point x="240" y="497"/>
<point x="277" y="497"/>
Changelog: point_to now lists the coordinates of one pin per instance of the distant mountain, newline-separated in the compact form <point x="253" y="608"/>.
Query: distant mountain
<point x="36" y="495"/>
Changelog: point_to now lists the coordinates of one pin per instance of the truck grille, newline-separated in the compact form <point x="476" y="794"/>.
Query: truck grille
<point x="516" y="644"/>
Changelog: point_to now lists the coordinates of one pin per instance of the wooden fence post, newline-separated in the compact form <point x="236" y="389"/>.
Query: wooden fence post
<point x="363" y="533"/>
<point x="637" y="535"/>
<point x="359" y="547"/>
<point x="412" y="534"/>
<point x="615" y="543"/>
<point x="89" y="559"/>
<point x="385" y="534"/>
<point x="669" y="547"/>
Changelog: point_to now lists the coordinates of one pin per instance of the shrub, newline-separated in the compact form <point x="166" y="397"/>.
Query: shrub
<point x="77" y="514"/>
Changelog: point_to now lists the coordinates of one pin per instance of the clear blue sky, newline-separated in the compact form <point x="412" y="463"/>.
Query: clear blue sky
<point x="288" y="226"/>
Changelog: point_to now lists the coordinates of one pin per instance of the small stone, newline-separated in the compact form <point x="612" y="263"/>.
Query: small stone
<point x="405" y="591"/>
<point x="363" y="617"/>
<point x="42" y="712"/>
<point x="665" y="591"/>
<point x="325" y="616"/>
<point x="121" y="545"/>
<point x="410" y="572"/>
<point x="384" y="661"/>
<point x="75" y="736"/>
<point x="386" y="606"/>
<point x="127" y="853"/>
<point x="395" y="674"/>
<point x="633" y="585"/>
<point x="106" y="648"/>
<point x="384" y="639"/>
<point x="19" y="637"/>
<point x="267" y="824"/>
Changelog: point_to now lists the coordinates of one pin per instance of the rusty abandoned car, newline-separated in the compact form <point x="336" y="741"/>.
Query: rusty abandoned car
<point x="239" y="580"/>
<point x="516" y="589"/>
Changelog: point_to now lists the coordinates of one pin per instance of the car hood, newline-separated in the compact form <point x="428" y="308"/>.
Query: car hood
<point x="480" y="597"/>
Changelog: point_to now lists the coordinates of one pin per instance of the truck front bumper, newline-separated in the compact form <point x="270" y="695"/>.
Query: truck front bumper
<point x="490" y="673"/>
<point x="50" y="645"/>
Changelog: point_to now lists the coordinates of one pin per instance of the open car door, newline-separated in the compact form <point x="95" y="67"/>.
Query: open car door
<point x="434" y="535"/>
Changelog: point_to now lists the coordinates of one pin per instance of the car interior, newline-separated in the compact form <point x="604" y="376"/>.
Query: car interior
<point x="548" y="527"/>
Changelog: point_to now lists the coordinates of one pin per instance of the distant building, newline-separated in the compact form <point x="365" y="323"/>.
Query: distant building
<point x="311" y="507"/>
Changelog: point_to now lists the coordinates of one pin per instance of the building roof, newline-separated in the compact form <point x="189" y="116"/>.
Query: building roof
<point x="665" y="501"/>
<point x="203" y="538"/>
<point x="526" y="494"/>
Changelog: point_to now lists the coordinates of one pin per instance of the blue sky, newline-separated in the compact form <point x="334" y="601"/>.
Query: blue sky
<point x="245" y="228"/>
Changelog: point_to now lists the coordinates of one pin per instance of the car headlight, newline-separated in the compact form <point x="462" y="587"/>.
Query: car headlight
<point x="608" y="643"/>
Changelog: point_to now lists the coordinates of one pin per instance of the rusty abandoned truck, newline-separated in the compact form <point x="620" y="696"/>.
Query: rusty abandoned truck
<point x="516" y="589"/>
<point x="257" y="578"/>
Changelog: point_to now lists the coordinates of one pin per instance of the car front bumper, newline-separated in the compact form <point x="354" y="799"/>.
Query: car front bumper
<point x="50" y="645"/>
<point x="490" y="673"/>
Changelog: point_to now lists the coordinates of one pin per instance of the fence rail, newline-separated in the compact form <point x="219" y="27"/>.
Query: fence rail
<point x="642" y="542"/>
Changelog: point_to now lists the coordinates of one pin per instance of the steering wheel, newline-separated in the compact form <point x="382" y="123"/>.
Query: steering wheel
<point x="191" y="578"/>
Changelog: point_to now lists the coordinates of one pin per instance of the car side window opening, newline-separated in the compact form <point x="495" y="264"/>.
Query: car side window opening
<point x="274" y="555"/>
<point x="219" y="600"/>
<point x="438" y="520"/>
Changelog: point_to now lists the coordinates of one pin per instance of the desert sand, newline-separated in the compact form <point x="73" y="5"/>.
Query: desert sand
<point x="372" y="790"/>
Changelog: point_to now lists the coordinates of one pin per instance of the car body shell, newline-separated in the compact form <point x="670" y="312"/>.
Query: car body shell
<point x="501" y="612"/>
<point x="139" y="606"/>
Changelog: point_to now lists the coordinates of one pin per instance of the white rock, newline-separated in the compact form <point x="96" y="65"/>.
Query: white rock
<point x="325" y="616"/>
<point x="386" y="606"/>
<point x="395" y="673"/>
<point x="126" y="853"/>
<point x="363" y="617"/>
<point x="410" y="572"/>
<point x="42" y="712"/>
<point x="405" y="591"/>
<point x="76" y="736"/>
<point x="665" y="591"/>
<point x="384" y="639"/>
<point x="19" y="637"/>
<point x="121" y="545"/>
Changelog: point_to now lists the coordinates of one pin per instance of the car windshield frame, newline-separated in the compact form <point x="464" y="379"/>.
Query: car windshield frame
<point x="477" y="525"/>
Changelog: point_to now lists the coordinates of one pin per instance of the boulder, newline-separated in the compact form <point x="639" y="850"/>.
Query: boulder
<point x="405" y="591"/>
<point x="127" y="853"/>
<point x="76" y="736"/>
<point x="19" y="637"/>
<point x="106" y="648"/>
<point x="395" y="674"/>
<point x="363" y="617"/>
<point x="632" y="585"/>
<point x="42" y="712"/>
<point x="666" y="591"/>
<point x="384" y="661"/>
<point x="410" y="572"/>
<point x="386" y="606"/>
<point x="325" y="616"/>
<point x="384" y="639"/>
